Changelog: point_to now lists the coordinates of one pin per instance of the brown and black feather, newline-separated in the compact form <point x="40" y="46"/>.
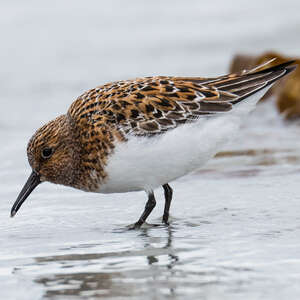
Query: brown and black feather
<point x="154" y="105"/>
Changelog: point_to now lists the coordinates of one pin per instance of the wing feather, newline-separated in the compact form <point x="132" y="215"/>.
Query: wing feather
<point x="154" y="105"/>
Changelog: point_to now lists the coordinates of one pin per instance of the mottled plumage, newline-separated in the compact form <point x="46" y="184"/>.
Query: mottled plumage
<point x="83" y="142"/>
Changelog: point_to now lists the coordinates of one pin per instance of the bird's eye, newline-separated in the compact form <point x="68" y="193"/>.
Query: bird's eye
<point x="47" y="152"/>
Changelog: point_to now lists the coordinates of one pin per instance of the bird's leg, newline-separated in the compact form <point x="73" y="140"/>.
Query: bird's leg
<point x="168" y="197"/>
<point x="147" y="211"/>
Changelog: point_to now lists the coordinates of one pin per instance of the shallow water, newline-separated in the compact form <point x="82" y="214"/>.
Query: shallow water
<point x="235" y="225"/>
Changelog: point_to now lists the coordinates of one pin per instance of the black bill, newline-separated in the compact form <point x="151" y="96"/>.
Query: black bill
<point x="32" y="182"/>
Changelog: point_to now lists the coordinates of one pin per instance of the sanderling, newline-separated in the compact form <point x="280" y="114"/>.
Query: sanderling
<point x="140" y="134"/>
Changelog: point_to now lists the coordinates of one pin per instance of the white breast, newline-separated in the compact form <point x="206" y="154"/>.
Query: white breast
<point x="145" y="163"/>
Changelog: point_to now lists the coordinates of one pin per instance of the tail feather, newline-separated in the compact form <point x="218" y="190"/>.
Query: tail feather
<point x="249" y="83"/>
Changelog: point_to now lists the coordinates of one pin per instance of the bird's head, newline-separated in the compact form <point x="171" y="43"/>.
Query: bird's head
<point x="52" y="155"/>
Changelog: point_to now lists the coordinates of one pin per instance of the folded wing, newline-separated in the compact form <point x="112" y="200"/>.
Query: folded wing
<point x="154" y="105"/>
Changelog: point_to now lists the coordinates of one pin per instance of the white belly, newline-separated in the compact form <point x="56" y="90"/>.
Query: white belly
<point x="146" y="163"/>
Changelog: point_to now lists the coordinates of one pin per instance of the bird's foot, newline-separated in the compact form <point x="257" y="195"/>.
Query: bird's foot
<point x="135" y="226"/>
<point x="145" y="225"/>
<point x="165" y="219"/>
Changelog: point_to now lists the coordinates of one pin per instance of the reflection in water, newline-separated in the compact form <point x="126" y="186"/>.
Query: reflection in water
<point x="251" y="163"/>
<point x="151" y="258"/>
<point x="110" y="283"/>
<point x="83" y="284"/>
<point x="215" y="252"/>
<point x="173" y="259"/>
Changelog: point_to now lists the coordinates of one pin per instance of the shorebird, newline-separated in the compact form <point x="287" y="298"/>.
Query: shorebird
<point x="141" y="134"/>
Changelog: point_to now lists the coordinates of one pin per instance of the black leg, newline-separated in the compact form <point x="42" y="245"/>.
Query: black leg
<point x="147" y="211"/>
<point x="168" y="197"/>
